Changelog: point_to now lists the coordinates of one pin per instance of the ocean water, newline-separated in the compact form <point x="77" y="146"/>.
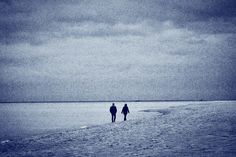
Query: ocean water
<point x="26" y="119"/>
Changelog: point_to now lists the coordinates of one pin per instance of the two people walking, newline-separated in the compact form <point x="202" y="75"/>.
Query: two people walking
<point x="113" y="111"/>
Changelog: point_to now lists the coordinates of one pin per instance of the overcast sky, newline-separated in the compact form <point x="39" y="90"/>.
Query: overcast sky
<point x="117" y="50"/>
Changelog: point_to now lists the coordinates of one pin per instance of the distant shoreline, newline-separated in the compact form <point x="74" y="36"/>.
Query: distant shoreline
<point x="110" y="101"/>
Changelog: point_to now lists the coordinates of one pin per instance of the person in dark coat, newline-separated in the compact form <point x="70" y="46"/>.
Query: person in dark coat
<point x="113" y="111"/>
<point x="125" y="111"/>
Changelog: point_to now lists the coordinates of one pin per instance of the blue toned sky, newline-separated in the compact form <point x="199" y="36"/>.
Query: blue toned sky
<point x="117" y="50"/>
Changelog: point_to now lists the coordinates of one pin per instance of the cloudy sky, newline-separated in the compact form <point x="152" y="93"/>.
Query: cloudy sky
<point x="117" y="50"/>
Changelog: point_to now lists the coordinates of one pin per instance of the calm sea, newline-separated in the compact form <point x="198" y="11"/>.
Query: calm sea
<point x="25" y="119"/>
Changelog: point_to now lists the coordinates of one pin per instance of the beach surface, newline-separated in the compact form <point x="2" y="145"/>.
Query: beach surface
<point x="204" y="129"/>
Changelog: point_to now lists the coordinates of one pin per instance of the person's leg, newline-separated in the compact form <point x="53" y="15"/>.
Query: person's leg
<point x="125" y="117"/>
<point x="114" y="117"/>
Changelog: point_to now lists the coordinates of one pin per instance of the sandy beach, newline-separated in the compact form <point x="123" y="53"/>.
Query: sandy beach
<point x="64" y="63"/>
<point x="204" y="129"/>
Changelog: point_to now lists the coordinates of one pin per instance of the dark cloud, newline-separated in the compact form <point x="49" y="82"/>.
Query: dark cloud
<point x="23" y="21"/>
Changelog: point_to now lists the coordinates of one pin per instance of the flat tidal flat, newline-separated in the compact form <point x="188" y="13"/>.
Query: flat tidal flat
<point x="190" y="129"/>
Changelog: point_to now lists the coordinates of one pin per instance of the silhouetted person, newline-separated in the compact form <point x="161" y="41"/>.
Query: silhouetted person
<point x="125" y="111"/>
<point x="113" y="111"/>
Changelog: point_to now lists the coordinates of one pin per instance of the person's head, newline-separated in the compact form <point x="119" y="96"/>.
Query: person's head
<point x="113" y="104"/>
<point x="126" y="105"/>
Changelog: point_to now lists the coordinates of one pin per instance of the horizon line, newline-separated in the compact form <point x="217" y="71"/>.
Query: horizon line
<point x="91" y="101"/>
